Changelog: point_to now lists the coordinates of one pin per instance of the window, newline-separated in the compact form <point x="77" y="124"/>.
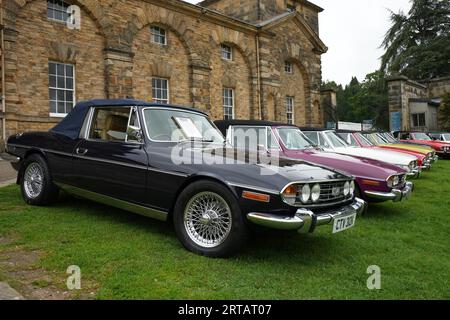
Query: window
<point x="294" y="139"/>
<point x="110" y="124"/>
<point x="420" y="136"/>
<point x="61" y="88"/>
<point x="334" y="139"/>
<point x="290" y="110"/>
<point x="158" y="35"/>
<point x="228" y="103"/>
<point x="418" y="119"/>
<point x="251" y="138"/>
<point x="57" y="10"/>
<point x="160" y="90"/>
<point x="312" y="135"/>
<point x="174" y="126"/>
<point x="133" y="125"/>
<point x="227" y="52"/>
<point x="288" y="67"/>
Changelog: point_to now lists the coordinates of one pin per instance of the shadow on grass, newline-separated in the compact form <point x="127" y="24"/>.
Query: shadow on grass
<point x="280" y="247"/>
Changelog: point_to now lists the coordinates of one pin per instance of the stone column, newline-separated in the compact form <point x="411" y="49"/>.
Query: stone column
<point x="201" y="86"/>
<point x="118" y="73"/>
<point x="328" y="103"/>
<point x="11" y="94"/>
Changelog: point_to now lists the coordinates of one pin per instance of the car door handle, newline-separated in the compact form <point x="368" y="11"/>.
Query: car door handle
<point x="81" y="151"/>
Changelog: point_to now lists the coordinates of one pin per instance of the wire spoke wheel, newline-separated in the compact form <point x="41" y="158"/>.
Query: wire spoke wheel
<point x="207" y="219"/>
<point x="33" y="180"/>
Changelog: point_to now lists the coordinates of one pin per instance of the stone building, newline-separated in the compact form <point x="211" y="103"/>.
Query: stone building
<point x="415" y="105"/>
<point x="258" y="59"/>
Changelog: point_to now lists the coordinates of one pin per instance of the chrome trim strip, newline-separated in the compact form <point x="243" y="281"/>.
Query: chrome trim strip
<point x="111" y="162"/>
<point x="244" y="186"/>
<point x="57" y="152"/>
<point x="185" y="175"/>
<point x="121" y="204"/>
<point x="18" y="145"/>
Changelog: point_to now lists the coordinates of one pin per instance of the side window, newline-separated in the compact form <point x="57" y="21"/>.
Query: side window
<point x="351" y="140"/>
<point x="271" y="140"/>
<point x="110" y="124"/>
<point x="250" y="138"/>
<point x="313" y="137"/>
<point x="134" y="128"/>
<point x="322" y="141"/>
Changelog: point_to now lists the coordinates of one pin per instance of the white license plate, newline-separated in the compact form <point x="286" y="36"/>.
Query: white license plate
<point x="344" y="223"/>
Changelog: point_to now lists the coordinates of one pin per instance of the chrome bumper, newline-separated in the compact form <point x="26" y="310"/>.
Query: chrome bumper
<point x="9" y="158"/>
<point x="435" y="159"/>
<point x="415" y="173"/>
<point x="426" y="165"/>
<point x="305" y="221"/>
<point x="395" y="195"/>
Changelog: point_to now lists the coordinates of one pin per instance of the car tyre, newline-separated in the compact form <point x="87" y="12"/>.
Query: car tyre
<point x="208" y="220"/>
<point x="36" y="182"/>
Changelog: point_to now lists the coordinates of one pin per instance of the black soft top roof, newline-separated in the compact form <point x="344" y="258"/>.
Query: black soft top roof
<point x="314" y="129"/>
<point x="71" y="125"/>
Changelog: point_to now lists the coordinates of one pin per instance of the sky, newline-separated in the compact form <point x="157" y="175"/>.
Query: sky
<point x="353" y="31"/>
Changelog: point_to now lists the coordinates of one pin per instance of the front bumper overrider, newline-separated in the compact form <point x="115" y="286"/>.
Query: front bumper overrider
<point x="414" y="173"/>
<point x="395" y="195"/>
<point x="305" y="221"/>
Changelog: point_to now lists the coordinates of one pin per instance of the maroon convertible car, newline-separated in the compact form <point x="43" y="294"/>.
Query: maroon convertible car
<point x="376" y="181"/>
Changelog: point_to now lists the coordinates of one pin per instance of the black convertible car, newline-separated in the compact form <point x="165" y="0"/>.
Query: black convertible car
<point x="171" y="162"/>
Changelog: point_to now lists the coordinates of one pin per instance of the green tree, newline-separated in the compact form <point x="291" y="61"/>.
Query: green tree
<point x="362" y="101"/>
<point x="418" y="43"/>
<point x="370" y="102"/>
<point x="444" y="113"/>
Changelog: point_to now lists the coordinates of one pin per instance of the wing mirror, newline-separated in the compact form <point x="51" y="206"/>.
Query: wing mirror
<point x="135" y="134"/>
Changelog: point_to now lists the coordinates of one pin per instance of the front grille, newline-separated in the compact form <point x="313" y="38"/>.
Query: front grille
<point x="402" y="181"/>
<point x="326" y="191"/>
<point x="331" y="192"/>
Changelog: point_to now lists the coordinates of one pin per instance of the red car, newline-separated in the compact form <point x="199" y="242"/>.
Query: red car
<point x="442" y="148"/>
<point x="358" y="139"/>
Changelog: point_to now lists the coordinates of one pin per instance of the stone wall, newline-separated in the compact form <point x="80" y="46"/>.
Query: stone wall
<point x="438" y="87"/>
<point x="37" y="41"/>
<point x="289" y="45"/>
<point x="401" y="90"/>
<point x="114" y="58"/>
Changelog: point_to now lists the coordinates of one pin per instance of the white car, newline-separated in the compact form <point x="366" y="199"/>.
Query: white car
<point x="331" y="142"/>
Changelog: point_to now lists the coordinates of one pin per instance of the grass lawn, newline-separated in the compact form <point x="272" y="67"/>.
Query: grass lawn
<point x="125" y="256"/>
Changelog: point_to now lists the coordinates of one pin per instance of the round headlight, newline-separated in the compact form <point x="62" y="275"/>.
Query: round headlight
<point x="352" y="187"/>
<point x="395" y="181"/>
<point x="315" y="193"/>
<point x="347" y="188"/>
<point x="306" y="193"/>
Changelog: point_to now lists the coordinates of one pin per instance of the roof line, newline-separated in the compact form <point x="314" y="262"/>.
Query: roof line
<point x="314" y="37"/>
